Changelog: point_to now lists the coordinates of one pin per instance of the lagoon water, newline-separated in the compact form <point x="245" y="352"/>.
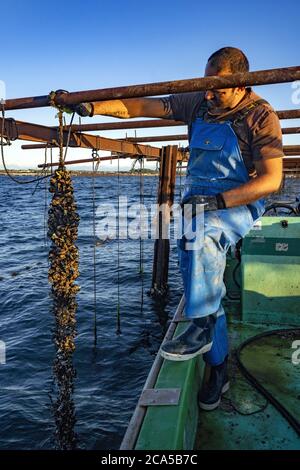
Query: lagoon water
<point x="110" y="376"/>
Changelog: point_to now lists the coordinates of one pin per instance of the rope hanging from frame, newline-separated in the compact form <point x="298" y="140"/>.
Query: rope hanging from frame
<point x="141" y="270"/>
<point x="63" y="223"/>
<point x="95" y="166"/>
<point x="118" y="319"/>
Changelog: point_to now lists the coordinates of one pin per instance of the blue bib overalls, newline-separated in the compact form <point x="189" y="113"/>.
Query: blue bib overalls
<point x="215" y="165"/>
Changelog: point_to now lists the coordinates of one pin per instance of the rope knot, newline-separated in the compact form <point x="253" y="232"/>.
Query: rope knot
<point x="53" y="95"/>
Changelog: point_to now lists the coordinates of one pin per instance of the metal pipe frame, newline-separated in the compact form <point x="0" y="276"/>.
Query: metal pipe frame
<point x="287" y="149"/>
<point x="165" y="138"/>
<point x="38" y="133"/>
<point x="89" y="160"/>
<point x="148" y="123"/>
<point x="287" y="162"/>
<point x="261" y="77"/>
<point x="290" y="130"/>
<point x="124" y="124"/>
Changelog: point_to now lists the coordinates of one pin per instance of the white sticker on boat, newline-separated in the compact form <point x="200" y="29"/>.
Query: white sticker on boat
<point x="281" y="247"/>
<point x="257" y="225"/>
<point x="296" y="354"/>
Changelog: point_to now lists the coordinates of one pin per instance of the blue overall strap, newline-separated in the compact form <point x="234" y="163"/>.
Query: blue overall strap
<point x="236" y="119"/>
<point x="240" y="115"/>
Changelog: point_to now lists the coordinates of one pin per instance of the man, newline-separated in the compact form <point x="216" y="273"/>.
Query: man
<point x="235" y="161"/>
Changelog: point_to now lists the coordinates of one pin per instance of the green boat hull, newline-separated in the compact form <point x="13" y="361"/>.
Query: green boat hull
<point x="269" y="299"/>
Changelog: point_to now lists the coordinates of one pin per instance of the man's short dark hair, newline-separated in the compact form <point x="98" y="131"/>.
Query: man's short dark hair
<point x="230" y="58"/>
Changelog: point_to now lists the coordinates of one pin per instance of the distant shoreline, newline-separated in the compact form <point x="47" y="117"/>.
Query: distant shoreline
<point x="80" y="173"/>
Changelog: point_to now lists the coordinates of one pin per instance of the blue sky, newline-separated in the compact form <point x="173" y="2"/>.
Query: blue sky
<point x="80" y="45"/>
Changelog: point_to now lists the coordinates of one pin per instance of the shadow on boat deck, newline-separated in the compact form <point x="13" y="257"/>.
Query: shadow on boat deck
<point x="245" y="420"/>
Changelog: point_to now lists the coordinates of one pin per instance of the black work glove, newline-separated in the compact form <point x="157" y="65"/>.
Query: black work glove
<point x="83" y="109"/>
<point x="209" y="203"/>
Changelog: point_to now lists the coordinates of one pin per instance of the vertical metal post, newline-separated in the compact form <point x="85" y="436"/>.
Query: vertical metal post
<point x="165" y="200"/>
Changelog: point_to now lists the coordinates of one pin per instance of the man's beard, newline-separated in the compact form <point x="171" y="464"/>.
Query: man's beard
<point x="216" y="107"/>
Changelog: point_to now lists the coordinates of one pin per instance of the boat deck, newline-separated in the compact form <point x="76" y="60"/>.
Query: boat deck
<point x="245" y="420"/>
<point x="269" y="299"/>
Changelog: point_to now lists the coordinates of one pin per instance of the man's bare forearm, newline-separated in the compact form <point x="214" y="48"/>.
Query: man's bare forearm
<point x="115" y="108"/>
<point x="134" y="107"/>
<point x="251" y="191"/>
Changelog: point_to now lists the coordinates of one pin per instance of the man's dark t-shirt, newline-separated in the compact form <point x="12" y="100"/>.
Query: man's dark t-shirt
<point x="259" y="133"/>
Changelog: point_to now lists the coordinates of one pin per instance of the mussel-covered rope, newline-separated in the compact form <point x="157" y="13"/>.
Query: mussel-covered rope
<point x="63" y="271"/>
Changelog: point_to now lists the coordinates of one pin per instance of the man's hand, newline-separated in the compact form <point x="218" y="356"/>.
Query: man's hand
<point x="209" y="203"/>
<point x="268" y="180"/>
<point x="84" y="109"/>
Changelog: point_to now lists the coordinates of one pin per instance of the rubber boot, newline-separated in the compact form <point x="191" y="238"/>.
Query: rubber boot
<point x="210" y="396"/>
<point x="196" y="339"/>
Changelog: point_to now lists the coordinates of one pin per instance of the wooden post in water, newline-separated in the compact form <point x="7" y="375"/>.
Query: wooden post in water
<point x="165" y="198"/>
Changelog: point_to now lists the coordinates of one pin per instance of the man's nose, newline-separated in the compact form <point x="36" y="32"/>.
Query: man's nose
<point x="209" y="95"/>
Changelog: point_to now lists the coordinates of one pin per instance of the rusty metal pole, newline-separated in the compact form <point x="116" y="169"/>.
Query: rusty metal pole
<point x="295" y="160"/>
<point x="260" y="77"/>
<point x="291" y="149"/>
<point x="168" y="138"/>
<point x="157" y="138"/>
<point x="165" y="199"/>
<point x="154" y="138"/>
<point x="290" y="130"/>
<point x="89" y="160"/>
<point x="132" y="124"/>
<point x="149" y="123"/>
